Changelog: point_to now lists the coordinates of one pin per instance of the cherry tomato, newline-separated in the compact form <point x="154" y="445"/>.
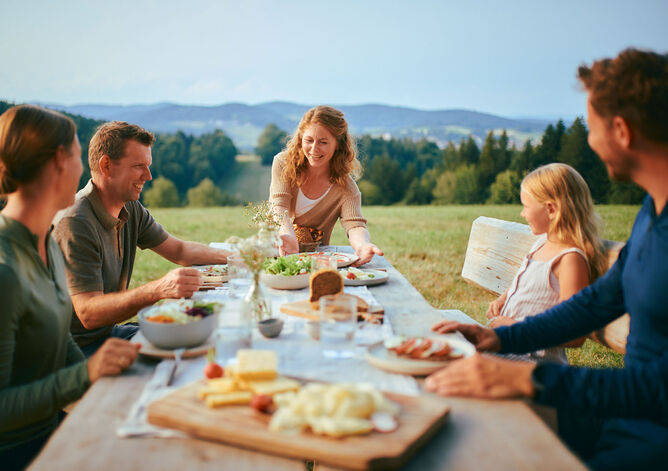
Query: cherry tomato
<point x="213" y="370"/>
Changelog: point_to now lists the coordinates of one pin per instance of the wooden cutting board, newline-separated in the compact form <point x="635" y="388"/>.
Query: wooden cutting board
<point x="304" y="309"/>
<point x="420" y="418"/>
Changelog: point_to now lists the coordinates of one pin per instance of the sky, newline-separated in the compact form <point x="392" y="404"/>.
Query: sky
<point x="513" y="58"/>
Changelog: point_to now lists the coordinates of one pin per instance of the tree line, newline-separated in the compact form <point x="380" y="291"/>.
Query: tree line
<point x="419" y="172"/>
<point x="190" y="170"/>
<point x="187" y="169"/>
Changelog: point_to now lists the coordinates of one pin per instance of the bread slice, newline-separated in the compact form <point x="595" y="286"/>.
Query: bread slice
<point x="255" y="365"/>
<point x="323" y="282"/>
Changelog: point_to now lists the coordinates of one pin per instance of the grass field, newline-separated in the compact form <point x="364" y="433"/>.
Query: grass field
<point x="250" y="181"/>
<point x="427" y="244"/>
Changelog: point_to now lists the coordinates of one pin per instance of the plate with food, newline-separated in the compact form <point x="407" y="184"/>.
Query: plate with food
<point x="287" y="272"/>
<point x="213" y="276"/>
<point x="342" y="259"/>
<point x="363" y="277"/>
<point x="178" y="323"/>
<point x="418" y="356"/>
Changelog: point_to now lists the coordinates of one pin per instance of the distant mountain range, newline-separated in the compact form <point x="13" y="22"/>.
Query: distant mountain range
<point x="244" y="123"/>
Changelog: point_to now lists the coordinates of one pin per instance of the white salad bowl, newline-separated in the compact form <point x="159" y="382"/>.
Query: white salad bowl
<point x="285" y="282"/>
<point x="171" y="336"/>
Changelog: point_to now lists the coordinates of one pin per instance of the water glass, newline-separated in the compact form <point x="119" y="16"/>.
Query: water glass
<point x="233" y="331"/>
<point x="237" y="268"/>
<point x="323" y="261"/>
<point x="338" y="322"/>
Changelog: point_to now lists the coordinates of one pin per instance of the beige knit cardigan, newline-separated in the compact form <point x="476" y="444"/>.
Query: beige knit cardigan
<point x="344" y="202"/>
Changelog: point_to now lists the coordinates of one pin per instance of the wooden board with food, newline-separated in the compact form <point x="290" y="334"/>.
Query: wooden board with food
<point x="351" y="425"/>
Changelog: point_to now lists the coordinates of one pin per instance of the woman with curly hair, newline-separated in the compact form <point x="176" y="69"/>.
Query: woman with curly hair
<point x="313" y="183"/>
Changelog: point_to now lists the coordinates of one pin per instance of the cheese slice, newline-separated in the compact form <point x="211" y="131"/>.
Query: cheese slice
<point x="276" y="386"/>
<point x="256" y="365"/>
<point x="228" y="399"/>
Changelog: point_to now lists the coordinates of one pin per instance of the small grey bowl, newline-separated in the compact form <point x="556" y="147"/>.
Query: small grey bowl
<point x="270" y="328"/>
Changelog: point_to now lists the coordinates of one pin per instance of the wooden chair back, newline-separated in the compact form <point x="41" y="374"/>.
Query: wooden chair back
<point x="495" y="252"/>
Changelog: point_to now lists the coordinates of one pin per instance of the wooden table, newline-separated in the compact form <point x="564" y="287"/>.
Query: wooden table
<point x="499" y="435"/>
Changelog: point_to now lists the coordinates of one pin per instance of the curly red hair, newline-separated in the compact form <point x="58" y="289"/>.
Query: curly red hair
<point x="344" y="161"/>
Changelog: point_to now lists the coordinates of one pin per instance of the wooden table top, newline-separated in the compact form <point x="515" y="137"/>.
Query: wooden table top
<point x="499" y="435"/>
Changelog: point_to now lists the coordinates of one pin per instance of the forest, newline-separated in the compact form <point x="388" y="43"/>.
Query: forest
<point x="190" y="170"/>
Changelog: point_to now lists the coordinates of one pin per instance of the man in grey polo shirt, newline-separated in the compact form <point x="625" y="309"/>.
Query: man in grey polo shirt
<point x="100" y="233"/>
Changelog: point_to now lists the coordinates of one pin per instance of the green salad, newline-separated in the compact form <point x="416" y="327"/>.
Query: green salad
<point x="288" y="265"/>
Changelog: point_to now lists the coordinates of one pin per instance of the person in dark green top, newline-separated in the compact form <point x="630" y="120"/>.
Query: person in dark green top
<point x="41" y="368"/>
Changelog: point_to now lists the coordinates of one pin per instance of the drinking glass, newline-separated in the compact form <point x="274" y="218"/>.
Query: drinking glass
<point x="240" y="277"/>
<point x="233" y="331"/>
<point x="237" y="268"/>
<point x="338" y="322"/>
<point x="324" y="261"/>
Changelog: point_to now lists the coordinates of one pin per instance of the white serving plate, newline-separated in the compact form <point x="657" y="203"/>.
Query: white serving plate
<point x="380" y="278"/>
<point x="285" y="282"/>
<point x="382" y="358"/>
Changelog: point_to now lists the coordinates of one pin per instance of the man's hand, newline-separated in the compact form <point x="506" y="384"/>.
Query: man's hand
<point x="483" y="376"/>
<point x="178" y="283"/>
<point x="112" y="358"/>
<point x="290" y="245"/>
<point x="365" y="252"/>
<point x="483" y="338"/>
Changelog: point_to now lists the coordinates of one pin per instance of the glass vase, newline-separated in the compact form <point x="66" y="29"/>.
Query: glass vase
<point x="258" y="300"/>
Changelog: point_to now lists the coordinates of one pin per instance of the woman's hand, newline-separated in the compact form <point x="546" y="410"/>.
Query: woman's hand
<point x="112" y="358"/>
<point x="483" y="376"/>
<point x="365" y="252"/>
<point x="483" y="338"/>
<point x="289" y="246"/>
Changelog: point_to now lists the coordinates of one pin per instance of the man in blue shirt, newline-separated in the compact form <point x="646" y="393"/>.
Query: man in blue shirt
<point x="613" y="418"/>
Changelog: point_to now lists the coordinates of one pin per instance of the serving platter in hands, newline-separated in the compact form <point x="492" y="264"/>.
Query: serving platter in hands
<point x="342" y="259"/>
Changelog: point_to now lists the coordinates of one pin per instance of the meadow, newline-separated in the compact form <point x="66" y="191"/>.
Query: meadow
<point x="427" y="244"/>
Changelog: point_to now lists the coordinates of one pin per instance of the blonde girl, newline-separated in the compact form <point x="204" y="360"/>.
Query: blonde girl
<point x="567" y="257"/>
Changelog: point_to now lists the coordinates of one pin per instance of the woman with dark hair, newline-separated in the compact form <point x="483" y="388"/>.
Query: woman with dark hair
<point x="313" y="183"/>
<point x="41" y="368"/>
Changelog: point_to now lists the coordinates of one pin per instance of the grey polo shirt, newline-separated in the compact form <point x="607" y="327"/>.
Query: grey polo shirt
<point x="100" y="249"/>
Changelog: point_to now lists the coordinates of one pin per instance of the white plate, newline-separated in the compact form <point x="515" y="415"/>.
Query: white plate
<point x="150" y="350"/>
<point x="382" y="358"/>
<point x="380" y="278"/>
<point x="343" y="259"/>
<point x="285" y="282"/>
<point x="209" y="277"/>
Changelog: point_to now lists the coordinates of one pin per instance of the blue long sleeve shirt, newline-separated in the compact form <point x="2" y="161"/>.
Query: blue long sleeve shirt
<point x="635" y="397"/>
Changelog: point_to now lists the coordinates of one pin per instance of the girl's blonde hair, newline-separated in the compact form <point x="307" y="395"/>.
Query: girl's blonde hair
<point x="344" y="162"/>
<point x="576" y="223"/>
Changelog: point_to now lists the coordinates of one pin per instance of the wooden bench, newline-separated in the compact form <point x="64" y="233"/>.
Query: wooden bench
<point x="495" y="252"/>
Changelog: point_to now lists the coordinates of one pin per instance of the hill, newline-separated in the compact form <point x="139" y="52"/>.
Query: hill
<point x="244" y="123"/>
